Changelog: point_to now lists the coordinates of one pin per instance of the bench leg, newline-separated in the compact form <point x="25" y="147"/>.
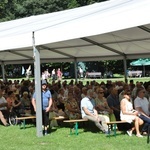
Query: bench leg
<point x="115" y="127"/>
<point x="76" y="128"/>
<point x="148" y="134"/>
<point x="70" y="129"/>
<point x="109" y="130"/>
<point x="22" y="124"/>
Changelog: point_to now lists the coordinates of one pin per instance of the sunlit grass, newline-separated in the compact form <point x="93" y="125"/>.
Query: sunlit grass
<point x="14" y="138"/>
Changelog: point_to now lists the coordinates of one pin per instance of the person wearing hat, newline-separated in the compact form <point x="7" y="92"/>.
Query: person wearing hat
<point x="46" y="104"/>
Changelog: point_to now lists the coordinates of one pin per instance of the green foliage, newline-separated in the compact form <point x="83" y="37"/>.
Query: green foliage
<point x="73" y="4"/>
<point x="13" y="9"/>
<point x="35" y="7"/>
<point x="7" y="9"/>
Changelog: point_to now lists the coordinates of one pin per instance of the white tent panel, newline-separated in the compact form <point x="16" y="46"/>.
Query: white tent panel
<point x="107" y="30"/>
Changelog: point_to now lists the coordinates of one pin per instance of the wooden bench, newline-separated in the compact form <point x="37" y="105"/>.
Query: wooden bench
<point x="24" y="120"/>
<point x="59" y="118"/>
<point x="75" y="121"/>
<point x="114" y="123"/>
<point x="93" y="74"/>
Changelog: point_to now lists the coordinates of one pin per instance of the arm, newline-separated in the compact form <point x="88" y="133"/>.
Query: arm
<point x="49" y="105"/>
<point x="123" y="108"/>
<point x="139" y="109"/>
<point x="16" y="105"/>
<point x="87" y="112"/>
<point x="33" y="101"/>
<point x="76" y="110"/>
<point x="111" y="105"/>
<point x="3" y="105"/>
<point x="95" y="115"/>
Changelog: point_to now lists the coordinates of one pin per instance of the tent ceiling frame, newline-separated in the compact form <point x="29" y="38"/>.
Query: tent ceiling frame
<point x="19" y="54"/>
<point x="144" y="28"/>
<point x="56" y="51"/>
<point x="103" y="46"/>
<point x="126" y="41"/>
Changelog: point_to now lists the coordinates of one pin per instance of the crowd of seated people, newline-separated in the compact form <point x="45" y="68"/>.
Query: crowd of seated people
<point x="107" y="99"/>
<point x="14" y="98"/>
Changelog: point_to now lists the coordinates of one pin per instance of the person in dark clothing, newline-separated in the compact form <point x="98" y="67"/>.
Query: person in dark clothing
<point x="114" y="104"/>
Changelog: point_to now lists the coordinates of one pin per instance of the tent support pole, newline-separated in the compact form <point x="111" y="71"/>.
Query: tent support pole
<point x="125" y="69"/>
<point x="3" y="71"/>
<point x="37" y="77"/>
<point x="75" y="70"/>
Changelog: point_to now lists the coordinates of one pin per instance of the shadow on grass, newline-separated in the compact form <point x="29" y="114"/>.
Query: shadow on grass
<point x="118" y="133"/>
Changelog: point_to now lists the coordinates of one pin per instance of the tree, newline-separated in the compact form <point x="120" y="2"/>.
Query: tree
<point x="7" y="9"/>
<point x="36" y="7"/>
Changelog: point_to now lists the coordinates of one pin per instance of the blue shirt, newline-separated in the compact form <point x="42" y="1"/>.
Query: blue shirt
<point x="45" y="98"/>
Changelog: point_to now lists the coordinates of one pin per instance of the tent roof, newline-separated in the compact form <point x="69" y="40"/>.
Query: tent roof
<point x="102" y="31"/>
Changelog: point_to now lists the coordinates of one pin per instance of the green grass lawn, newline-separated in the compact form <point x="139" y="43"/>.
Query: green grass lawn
<point x="14" y="138"/>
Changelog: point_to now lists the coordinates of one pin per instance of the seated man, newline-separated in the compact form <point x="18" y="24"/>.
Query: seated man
<point x="142" y="105"/>
<point x="89" y="112"/>
<point x="3" y="110"/>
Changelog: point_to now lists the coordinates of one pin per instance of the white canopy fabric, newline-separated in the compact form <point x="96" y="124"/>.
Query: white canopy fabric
<point x="108" y="30"/>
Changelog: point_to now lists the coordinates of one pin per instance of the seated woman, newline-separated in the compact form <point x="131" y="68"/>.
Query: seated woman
<point x="130" y="115"/>
<point x="72" y="109"/>
<point x="102" y="107"/>
<point x="61" y="99"/>
<point x="26" y="103"/>
<point x="10" y="99"/>
<point x="55" y="112"/>
<point x="17" y="106"/>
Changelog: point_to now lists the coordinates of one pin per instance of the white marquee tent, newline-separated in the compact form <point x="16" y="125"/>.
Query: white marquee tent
<point x="115" y="29"/>
<point x="109" y="30"/>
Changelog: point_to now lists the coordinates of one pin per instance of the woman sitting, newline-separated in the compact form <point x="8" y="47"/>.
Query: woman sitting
<point x="55" y="112"/>
<point x="26" y="103"/>
<point x="130" y="115"/>
<point x="71" y="107"/>
<point x="102" y="107"/>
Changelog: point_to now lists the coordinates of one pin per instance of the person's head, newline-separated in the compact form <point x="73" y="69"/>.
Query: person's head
<point x="61" y="91"/>
<point x="10" y="93"/>
<point x="131" y="82"/>
<point x="100" y="92"/>
<point x="70" y="95"/>
<point x="138" y="84"/>
<point x="140" y="92"/>
<point x="25" y="94"/>
<point x="44" y="84"/>
<point x="114" y="90"/>
<point x="90" y="93"/>
<point x="84" y="90"/>
<point x="127" y="94"/>
<point x="126" y="87"/>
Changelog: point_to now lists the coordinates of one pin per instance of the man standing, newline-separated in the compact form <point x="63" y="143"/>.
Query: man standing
<point x="89" y="112"/>
<point x="46" y="105"/>
<point x="53" y="75"/>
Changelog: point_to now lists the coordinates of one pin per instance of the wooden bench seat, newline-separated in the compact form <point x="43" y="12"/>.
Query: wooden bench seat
<point x="75" y="121"/>
<point x="59" y="118"/>
<point x="114" y="123"/>
<point x="25" y="118"/>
